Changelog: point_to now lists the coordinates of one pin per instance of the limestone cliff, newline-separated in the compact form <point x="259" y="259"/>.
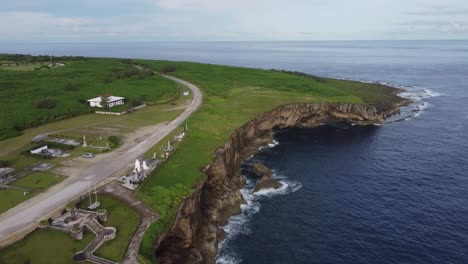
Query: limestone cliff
<point x="195" y="235"/>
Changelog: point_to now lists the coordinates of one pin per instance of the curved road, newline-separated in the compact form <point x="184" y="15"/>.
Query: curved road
<point x="20" y="220"/>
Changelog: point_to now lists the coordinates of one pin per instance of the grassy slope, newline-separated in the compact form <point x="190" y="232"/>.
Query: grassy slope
<point x="20" y="91"/>
<point x="44" y="247"/>
<point x="125" y="220"/>
<point x="48" y="246"/>
<point x="232" y="96"/>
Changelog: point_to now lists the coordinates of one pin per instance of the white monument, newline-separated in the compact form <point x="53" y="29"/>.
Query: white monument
<point x="84" y="142"/>
<point x="137" y="166"/>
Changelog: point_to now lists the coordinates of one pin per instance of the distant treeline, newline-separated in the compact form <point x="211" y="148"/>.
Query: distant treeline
<point x="27" y="58"/>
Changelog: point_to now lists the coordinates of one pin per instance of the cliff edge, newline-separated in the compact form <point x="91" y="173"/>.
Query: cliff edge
<point x="195" y="235"/>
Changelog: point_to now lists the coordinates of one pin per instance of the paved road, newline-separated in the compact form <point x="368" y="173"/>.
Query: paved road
<point x="22" y="218"/>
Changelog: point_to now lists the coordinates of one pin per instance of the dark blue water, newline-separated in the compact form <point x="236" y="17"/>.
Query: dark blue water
<point x="391" y="194"/>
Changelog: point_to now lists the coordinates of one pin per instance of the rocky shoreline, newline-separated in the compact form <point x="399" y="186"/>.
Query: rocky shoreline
<point x="195" y="235"/>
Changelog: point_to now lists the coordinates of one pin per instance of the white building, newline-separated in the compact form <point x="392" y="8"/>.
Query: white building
<point x="111" y="101"/>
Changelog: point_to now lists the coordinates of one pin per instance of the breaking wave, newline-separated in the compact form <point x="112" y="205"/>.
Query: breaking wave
<point x="239" y="224"/>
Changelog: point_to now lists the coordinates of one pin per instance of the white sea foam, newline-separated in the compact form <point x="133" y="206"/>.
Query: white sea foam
<point x="239" y="224"/>
<point x="273" y="144"/>
<point x="414" y="93"/>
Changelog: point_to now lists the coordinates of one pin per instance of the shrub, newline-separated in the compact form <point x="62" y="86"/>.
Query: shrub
<point x="114" y="141"/>
<point x="148" y="73"/>
<point x="4" y="163"/>
<point x="169" y="68"/>
<point x="107" y="79"/>
<point x="46" y="103"/>
<point x="136" y="102"/>
<point x="70" y="87"/>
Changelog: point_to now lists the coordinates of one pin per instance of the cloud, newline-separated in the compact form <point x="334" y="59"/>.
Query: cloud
<point x="36" y="26"/>
<point x="434" y="26"/>
<point x="13" y="24"/>
<point x="208" y="5"/>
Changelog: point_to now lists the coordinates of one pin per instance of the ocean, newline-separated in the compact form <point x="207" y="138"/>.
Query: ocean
<point x="396" y="193"/>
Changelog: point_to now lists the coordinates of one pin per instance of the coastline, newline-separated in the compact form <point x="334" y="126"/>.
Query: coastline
<point x="196" y="233"/>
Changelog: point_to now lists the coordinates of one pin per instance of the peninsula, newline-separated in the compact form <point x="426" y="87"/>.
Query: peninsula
<point x="196" y="189"/>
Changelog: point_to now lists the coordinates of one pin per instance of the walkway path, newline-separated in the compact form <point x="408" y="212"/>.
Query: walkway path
<point x="20" y="220"/>
<point x="148" y="216"/>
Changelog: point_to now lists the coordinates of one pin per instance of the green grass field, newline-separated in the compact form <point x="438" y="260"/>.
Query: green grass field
<point x="233" y="96"/>
<point x="44" y="247"/>
<point x="67" y="88"/>
<point x="48" y="246"/>
<point x="125" y="220"/>
<point x="39" y="181"/>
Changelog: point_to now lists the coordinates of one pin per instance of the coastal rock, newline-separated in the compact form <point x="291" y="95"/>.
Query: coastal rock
<point x="267" y="184"/>
<point x="261" y="171"/>
<point x="195" y="235"/>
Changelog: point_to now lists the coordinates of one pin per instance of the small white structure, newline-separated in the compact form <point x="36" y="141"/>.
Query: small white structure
<point x="186" y="93"/>
<point x="180" y="136"/>
<point x="39" y="150"/>
<point x="139" y="173"/>
<point x="110" y="100"/>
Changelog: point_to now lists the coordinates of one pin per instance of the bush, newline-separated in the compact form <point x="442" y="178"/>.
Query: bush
<point x="148" y="73"/>
<point x="107" y="79"/>
<point x="70" y="87"/>
<point x="169" y="68"/>
<point x="4" y="163"/>
<point x="114" y="141"/>
<point x="46" y="103"/>
<point x="136" y="102"/>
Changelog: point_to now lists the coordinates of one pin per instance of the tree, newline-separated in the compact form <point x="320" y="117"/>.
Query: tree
<point x="70" y="87"/>
<point x="114" y="141"/>
<point x="4" y="163"/>
<point x="136" y="102"/>
<point x="105" y="101"/>
<point x="169" y="68"/>
<point x="46" y="103"/>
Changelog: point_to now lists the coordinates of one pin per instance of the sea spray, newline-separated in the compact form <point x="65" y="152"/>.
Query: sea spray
<point x="239" y="224"/>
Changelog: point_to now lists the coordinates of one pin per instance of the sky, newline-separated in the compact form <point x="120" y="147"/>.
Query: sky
<point x="231" y="20"/>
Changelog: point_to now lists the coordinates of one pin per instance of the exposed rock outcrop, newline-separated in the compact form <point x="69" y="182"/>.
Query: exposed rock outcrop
<point x="265" y="182"/>
<point x="261" y="171"/>
<point x="195" y="235"/>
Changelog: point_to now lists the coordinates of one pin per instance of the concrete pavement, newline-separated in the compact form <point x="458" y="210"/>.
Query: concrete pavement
<point x="20" y="220"/>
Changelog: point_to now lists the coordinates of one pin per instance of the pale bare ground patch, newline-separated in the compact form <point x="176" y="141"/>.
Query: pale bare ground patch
<point x="74" y="166"/>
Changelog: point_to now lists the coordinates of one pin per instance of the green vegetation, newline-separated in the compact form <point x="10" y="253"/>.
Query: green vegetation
<point x="49" y="246"/>
<point x="4" y="163"/>
<point x="31" y="98"/>
<point x="38" y="181"/>
<point x="124" y="219"/>
<point x="45" y="247"/>
<point x="114" y="141"/>
<point x="11" y="197"/>
<point x="232" y="96"/>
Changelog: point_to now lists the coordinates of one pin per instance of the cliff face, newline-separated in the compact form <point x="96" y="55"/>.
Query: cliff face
<point x="195" y="235"/>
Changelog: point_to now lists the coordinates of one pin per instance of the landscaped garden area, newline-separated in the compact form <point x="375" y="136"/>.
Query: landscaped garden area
<point x="50" y="246"/>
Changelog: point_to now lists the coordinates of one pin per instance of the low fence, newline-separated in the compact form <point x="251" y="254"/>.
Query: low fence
<point x="121" y="113"/>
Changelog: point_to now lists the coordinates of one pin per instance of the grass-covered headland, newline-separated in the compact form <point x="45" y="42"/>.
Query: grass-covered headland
<point x="233" y="96"/>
